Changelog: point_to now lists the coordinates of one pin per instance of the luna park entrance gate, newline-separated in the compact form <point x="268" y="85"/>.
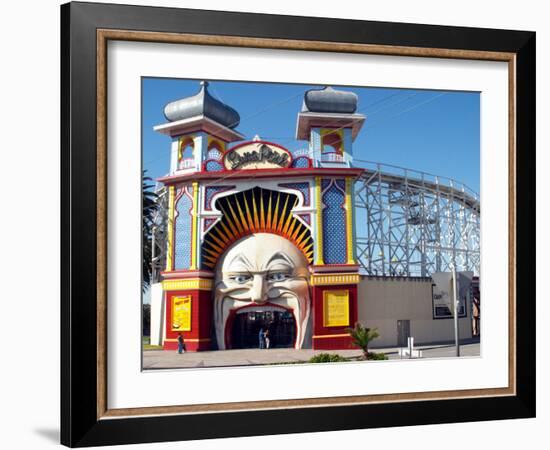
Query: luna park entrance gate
<point x="246" y="329"/>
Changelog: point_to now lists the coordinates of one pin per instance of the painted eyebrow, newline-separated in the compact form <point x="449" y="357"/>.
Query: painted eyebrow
<point x="241" y="258"/>
<point x="279" y="256"/>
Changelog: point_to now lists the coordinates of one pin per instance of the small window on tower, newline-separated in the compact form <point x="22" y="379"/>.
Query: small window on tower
<point x="332" y="147"/>
<point x="185" y="157"/>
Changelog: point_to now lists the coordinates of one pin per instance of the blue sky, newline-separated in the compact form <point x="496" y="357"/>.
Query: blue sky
<point x="431" y="131"/>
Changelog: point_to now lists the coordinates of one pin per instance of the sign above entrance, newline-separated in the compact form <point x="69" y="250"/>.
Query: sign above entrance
<point x="257" y="155"/>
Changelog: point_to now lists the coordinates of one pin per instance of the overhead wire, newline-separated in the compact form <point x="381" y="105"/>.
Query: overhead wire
<point x="431" y="99"/>
<point x="289" y="139"/>
<point x="257" y="113"/>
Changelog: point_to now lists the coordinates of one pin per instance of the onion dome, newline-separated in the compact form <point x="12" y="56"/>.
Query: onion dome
<point x="204" y="104"/>
<point x="329" y="100"/>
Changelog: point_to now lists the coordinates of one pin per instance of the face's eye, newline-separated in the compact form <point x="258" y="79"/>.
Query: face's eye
<point x="277" y="276"/>
<point x="241" y="279"/>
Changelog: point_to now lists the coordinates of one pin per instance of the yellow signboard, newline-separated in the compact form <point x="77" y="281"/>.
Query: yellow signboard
<point x="181" y="313"/>
<point x="336" y="308"/>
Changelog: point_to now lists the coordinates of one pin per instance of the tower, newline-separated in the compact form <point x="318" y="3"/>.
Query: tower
<point x="329" y="122"/>
<point x="200" y="128"/>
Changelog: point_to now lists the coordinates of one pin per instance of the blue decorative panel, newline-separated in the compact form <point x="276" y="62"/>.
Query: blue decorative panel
<point x="334" y="226"/>
<point x="316" y="140"/>
<point x="302" y="187"/>
<point x="182" y="234"/>
<point x="213" y="166"/>
<point x="348" y="141"/>
<point x="301" y="162"/>
<point x="210" y="192"/>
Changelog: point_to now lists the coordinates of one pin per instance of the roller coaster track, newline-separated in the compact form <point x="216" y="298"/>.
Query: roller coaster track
<point x="411" y="223"/>
<point x="407" y="223"/>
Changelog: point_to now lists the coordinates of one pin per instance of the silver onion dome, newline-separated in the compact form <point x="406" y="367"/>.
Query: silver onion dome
<point x="202" y="103"/>
<point x="329" y="100"/>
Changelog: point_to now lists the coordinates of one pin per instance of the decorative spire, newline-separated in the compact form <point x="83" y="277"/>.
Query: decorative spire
<point x="204" y="104"/>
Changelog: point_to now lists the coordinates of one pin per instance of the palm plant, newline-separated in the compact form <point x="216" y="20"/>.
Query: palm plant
<point x="362" y="337"/>
<point x="150" y="207"/>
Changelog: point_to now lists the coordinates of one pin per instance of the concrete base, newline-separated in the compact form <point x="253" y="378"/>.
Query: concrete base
<point x="158" y="313"/>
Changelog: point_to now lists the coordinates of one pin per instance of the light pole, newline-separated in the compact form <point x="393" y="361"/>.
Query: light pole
<point x="455" y="311"/>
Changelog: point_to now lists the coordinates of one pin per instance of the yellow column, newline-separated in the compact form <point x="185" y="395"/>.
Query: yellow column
<point x="194" y="226"/>
<point x="170" y="244"/>
<point x="349" y="221"/>
<point x="319" y="223"/>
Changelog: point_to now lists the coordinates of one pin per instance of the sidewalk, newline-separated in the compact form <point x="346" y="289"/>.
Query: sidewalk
<point x="164" y="359"/>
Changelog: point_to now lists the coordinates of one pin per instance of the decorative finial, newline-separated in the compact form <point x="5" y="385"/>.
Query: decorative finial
<point x="330" y="100"/>
<point x="202" y="103"/>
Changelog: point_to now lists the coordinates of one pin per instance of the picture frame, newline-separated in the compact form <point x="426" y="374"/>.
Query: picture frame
<point x="86" y="28"/>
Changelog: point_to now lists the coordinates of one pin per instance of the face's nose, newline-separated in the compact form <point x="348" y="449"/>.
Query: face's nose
<point x="258" y="291"/>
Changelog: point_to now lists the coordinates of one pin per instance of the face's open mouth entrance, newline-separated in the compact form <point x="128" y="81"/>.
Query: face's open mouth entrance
<point x="247" y="323"/>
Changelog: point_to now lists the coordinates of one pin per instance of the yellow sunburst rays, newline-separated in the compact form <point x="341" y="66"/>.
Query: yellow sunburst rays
<point x="210" y="260"/>
<point x="308" y="251"/>
<point x="301" y="240"/>
<point x="255" y="212"/>
<point x="249" y="218"/>
<point x="273" y="226"/>
<point x="244" y="222"/>
<point x="232" y="230"/>
<point x="236" y="220"/>
<point x="291" y="227"/>
<point x="228" y="232"/>
<point x="262" y="216"/>
<point x="288" y="220"/>
<point x="268" y="220"/>
<point x="221" y="240"/>
<point x="216" y="242"/>
<point x="212" y="252"/>
<point x="241" y="217"/>
<point x="285" y="212"/>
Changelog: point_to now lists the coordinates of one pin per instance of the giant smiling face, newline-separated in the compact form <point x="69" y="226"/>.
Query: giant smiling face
<point x="262" y="270"/>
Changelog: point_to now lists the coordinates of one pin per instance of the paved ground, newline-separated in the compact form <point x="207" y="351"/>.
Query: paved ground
<point x="162" y="359"/>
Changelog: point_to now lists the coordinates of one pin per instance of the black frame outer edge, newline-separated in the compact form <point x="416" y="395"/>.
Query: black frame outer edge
<point x="65" y="227"/>
<point x="525" y="223"/>
<point x="79" y="426"/>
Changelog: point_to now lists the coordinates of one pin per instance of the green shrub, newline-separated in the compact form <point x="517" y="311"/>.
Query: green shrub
<point x="327" y="357"/>
<point x="376" y="356"/>
<point x="362" y="337"/>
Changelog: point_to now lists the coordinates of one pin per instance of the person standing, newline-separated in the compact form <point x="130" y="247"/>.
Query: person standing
<point x="181" y="344"/>
<point x="261" y="337"/>
<point x="267" y="340"/>
<point x="476" y="313"/>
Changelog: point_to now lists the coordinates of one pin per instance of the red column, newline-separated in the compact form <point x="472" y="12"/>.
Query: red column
<point x="328" y="301"/>
<point x="196" y="329"/>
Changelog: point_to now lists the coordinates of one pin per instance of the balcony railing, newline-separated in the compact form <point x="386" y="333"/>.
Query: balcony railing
<point x="187" y="163"/>
<point x="332" y="157"/>
<point x="301" y="152"/>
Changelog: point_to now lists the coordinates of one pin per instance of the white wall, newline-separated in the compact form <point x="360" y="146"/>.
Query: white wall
<point x="158" y="314"/>
<point x="30" y="82"/>
<point x="384" y="301"/>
